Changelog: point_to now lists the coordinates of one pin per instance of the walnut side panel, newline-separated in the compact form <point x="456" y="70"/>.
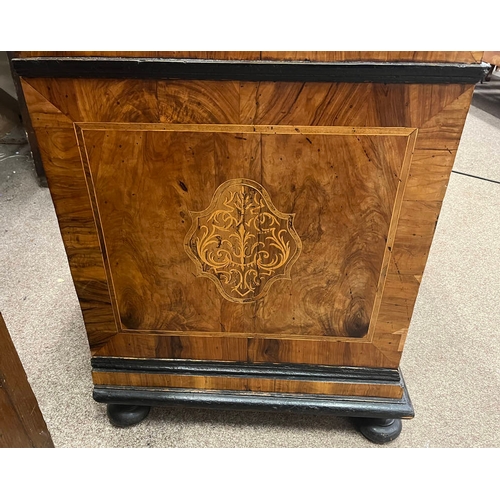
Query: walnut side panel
<point x="62" y="163"/>
<point x="143" y="235"/>
<point x="437" y="111"/>
<point x="66" y="180"/>
<point x="435" y="151"/>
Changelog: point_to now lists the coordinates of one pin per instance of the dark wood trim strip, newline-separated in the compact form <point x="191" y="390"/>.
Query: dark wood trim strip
<point x="26" y="120"/>
<point x="247" y="370"/>
<point x="285" y="71"/>
<point x="344" y="406"/>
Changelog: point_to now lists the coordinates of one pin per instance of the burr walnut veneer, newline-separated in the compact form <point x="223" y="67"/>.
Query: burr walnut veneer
<point x="249" y="230"/>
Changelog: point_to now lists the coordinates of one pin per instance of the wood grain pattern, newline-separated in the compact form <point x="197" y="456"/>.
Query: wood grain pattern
<point x="492" y="57"/>
<point x="255" y="349"/>
<point x="197" y="102"/>
<point x="21" y="421"/>
<point x="68" y="187"/>
<point x="143" y="236"/>
<point x="394" y="391"/>
<point x="43" y="113"/>
<point x="328" y="56"/>
<point x="345" y="104"/>
<point x="336" y="353"/>
<point x="337" y="277"/>
<point x="168" y="346"/>
<point x="437" y="112"/>
<point x="99" y="100"/>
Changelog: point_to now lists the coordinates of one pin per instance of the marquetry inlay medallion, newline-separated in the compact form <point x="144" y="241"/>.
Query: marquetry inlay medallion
<point x="242" y="242"/>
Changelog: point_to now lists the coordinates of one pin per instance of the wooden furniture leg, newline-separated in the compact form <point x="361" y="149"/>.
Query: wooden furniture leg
<point x="127" y="415"/>
<point x="379" y="430"/>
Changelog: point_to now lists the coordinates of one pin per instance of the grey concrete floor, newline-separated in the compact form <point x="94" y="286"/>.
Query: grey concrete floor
<point x="451" y="358"/>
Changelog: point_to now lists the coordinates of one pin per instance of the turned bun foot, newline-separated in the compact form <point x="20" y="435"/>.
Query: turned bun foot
<point x="379" y="430"/>
<point x="127" y="415"/>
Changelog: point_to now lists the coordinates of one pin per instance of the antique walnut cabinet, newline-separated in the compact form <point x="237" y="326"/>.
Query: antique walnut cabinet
<point x="249" y="229"/>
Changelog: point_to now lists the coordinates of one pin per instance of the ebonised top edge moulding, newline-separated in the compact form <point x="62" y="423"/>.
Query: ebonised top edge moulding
<point x="199" y="69"/>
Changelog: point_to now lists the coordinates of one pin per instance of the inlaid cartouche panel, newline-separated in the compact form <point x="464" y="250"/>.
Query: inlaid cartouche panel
<point x="235" y="230"/>
<point x="242" y="242"/>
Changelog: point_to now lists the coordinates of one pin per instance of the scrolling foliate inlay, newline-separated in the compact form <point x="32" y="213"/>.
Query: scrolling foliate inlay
<point x="242" y="242"/>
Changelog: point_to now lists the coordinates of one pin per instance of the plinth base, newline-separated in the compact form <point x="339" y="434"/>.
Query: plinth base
<point x="378" y="419"/>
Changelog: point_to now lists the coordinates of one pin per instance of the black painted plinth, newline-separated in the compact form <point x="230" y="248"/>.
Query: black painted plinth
<point x="127" y="415"/>
<point x="378" y="419"/>
<point x="379" y="430"/>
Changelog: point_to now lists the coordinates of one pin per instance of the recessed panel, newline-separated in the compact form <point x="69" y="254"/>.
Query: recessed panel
<point x="245" y="230"/>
